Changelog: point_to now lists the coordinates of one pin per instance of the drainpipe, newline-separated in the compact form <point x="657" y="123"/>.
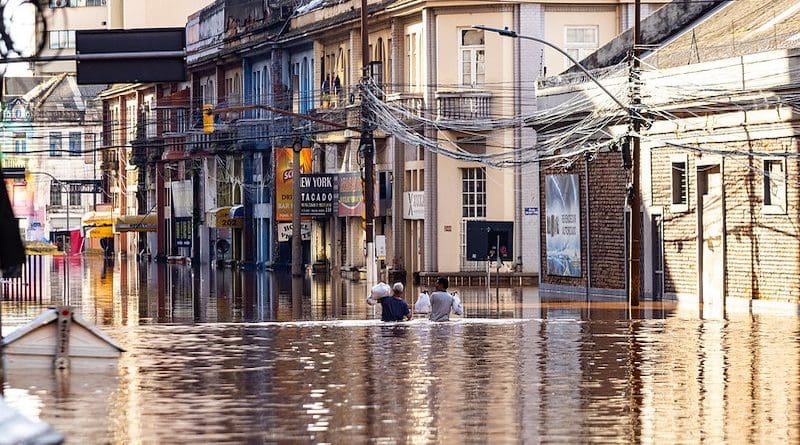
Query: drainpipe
<point x="587" y="158"/>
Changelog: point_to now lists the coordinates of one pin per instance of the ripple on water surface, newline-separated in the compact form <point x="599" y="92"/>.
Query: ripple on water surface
<point x="668" y="380"/>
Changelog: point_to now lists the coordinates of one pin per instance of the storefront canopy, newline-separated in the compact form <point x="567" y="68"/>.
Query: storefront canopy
<point x="223" y="218"/>
<point x="97" y="219"/>
<point x="100" y="232"/>
<point x="136" y="223"/>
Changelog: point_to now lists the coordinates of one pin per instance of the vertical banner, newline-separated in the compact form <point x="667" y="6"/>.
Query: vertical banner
<point x="181" y="213"/>
<point x="283" y="179"/>
<point x="351" y="197"/>
<point x="563" y="225"/>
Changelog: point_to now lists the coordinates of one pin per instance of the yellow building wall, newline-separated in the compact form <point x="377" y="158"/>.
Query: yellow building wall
<point x="499" y="80"/>
<point x="557" y="18"/>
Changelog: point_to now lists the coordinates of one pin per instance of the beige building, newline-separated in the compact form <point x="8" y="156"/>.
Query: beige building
<point x="458" y="87"/>
<point x="64" y="17"/>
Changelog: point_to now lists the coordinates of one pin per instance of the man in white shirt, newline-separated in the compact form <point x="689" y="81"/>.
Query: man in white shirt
<point x="442" y="302"/>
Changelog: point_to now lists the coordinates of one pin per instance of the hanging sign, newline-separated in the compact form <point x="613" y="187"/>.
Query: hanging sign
<point x="319" y="194"/>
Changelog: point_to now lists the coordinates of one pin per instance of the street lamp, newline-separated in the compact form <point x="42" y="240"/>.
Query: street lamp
<point x="505" y="32"/>
<point x="69" y="233"/>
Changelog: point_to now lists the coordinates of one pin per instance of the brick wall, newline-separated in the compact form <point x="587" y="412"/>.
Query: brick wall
<point x="607" y="181"/>
<point x="680" y="228"/>
<point x="762" y="250"/>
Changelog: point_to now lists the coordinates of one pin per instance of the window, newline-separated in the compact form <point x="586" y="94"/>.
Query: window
<point x="473" y="57"/>
<point x="680" y="184"/>
<point x="473" y="192"/>
<point x="55" y="144"/>
<point x="579" y="42"/>
<point x="774" y="186"/>
<point x="62" y="39"/>
<point x="55" y="194"/>
<point x="20" y="143"/>
<point x="115" y="125"/>
<point x="130" y="121"/>
<point x="150" y="123"/>
<point x="74" y="194"/>
<point x="75" y="142"/>
<point x="413" y="62"/>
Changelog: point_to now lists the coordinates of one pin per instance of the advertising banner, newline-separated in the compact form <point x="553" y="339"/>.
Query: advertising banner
<point x="414" y="205"/>
<point x="285" y="231"/>
<point x="319" y="194"/>
<point x="182" y="198"/>
<point x="351" y="197"/>
<point x="182" y="231"/>
<point x="563" y="225"/>
<point x="283" y="179"/>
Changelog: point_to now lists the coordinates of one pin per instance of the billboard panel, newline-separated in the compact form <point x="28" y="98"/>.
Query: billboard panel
<point x="319" y="194"/>
<point x="563" y="225"/>
<point x="283" y="179"/>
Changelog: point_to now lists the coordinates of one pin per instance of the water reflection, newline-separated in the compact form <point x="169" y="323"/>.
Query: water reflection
<point x="206" y="364"/>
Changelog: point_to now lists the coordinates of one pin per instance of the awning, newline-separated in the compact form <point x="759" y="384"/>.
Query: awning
<point x="237" y="211"/>
<point x="96" y="219"/>
<point x="221" y="218"/>
<point x="100" y="232"/>
<point x="136" y="223"/>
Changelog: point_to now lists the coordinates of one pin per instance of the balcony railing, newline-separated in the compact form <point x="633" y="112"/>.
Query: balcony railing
<point x="413" y="103"/>
<point x="463" y="105"/>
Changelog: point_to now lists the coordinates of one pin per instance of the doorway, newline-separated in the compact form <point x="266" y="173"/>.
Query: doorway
<point x="711" y="248"/>
<point x="657" y="252"/>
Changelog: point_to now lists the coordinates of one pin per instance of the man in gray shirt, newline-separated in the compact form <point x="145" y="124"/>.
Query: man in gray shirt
<point x="442" y="302"/>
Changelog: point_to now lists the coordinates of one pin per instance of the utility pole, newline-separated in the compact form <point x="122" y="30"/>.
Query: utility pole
<point x="297" y="247"/>
<point x="635" y="227"/>
<point x="367" y="151"/>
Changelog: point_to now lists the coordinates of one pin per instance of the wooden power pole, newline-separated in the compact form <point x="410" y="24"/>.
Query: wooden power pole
<point x="367" y="151"/>
<point x="635" y="226"/>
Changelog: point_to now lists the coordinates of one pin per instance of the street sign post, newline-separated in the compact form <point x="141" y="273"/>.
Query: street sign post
<point x="130" y="56"/>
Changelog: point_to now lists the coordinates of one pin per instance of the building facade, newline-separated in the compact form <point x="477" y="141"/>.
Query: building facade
<point x="718" y="165"/>
<point x="49" y="129"/>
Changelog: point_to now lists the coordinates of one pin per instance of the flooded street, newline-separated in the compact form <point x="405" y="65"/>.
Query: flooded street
<point x="229" y="357"/>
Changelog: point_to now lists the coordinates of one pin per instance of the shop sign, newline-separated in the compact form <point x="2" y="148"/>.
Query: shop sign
<point x="285" y="231"/>
<point x="283" y="179"/>
<point x="319" y="194"/>
<point x="351" y="197"/>
<point x="414" y="205"/>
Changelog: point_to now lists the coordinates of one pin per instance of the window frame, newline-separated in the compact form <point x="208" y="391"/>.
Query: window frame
<point x="477" y="209"/>
<point x="56" y="191"/>
<point x="683" y="205"/>
<point x="74" y="197"/>
<point x="65" y="38"/>
<point x="473" y="49"/>
<point x="773" y="208"/>
<point x="75" y="149"/>
<point x="584" y="49"/>
<point x="55" y="149"/>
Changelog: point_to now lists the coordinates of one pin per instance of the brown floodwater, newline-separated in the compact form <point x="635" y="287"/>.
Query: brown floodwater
<point x="230" y="357"/>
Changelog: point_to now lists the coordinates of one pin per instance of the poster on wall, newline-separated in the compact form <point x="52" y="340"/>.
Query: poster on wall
<point x="283" y="179"/>
<point x="563" y="225"/>
<point x="351" y="196"/>
<point x="182" y="231"/>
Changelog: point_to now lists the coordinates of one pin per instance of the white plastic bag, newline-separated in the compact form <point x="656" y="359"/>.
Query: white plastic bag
<point x="380" y="290"/>
<point x="458" y="309"/>
<point x="423" y="304"/>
